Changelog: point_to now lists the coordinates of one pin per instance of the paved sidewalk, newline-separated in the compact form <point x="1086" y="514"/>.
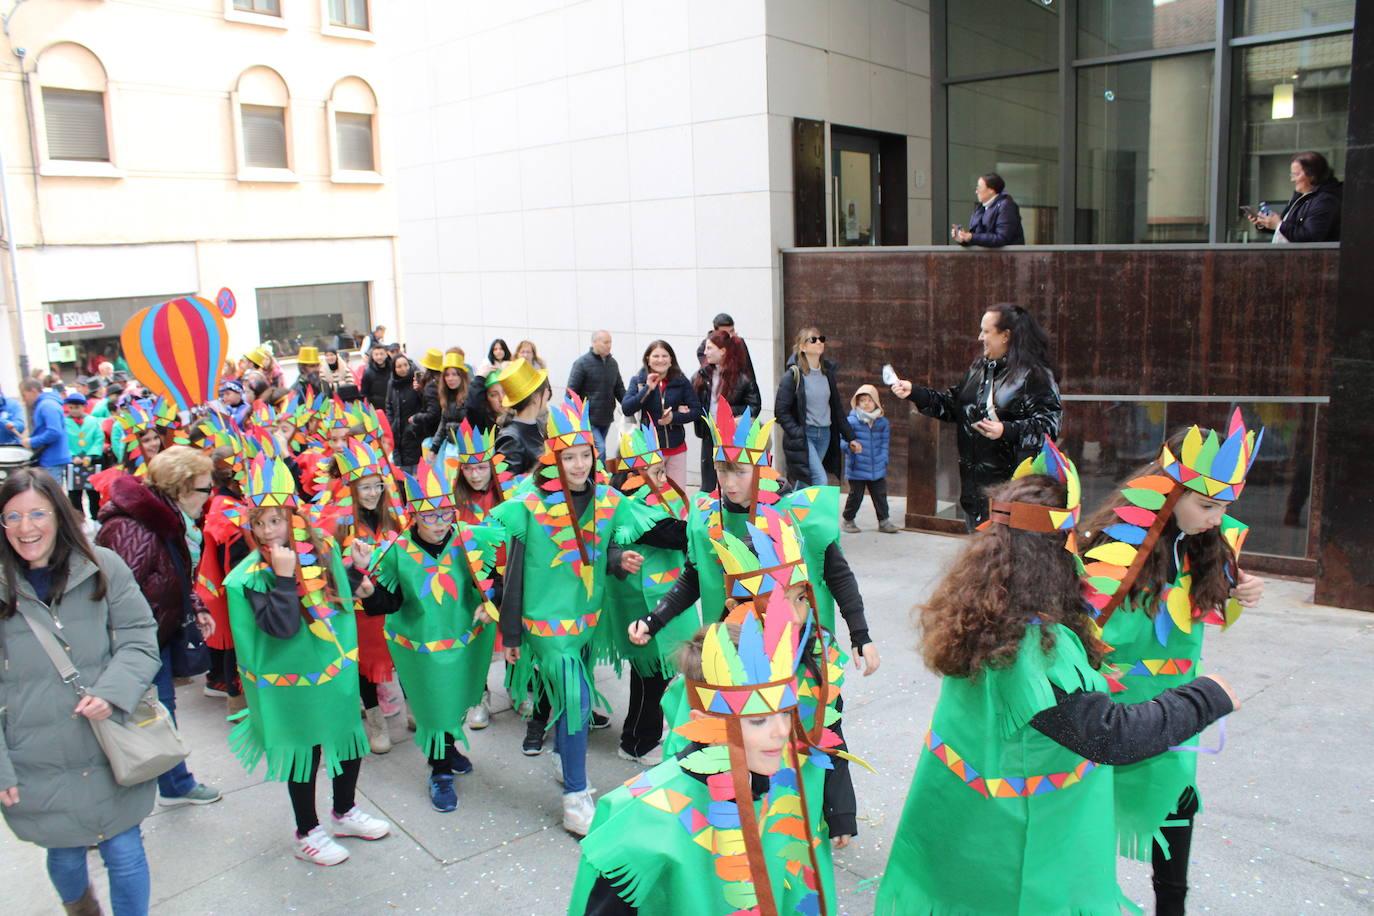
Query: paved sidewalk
<point x="1288" y="824"/>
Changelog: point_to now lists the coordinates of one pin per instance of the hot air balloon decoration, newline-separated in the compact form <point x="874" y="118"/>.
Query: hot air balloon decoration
<point x="177" y="349"/>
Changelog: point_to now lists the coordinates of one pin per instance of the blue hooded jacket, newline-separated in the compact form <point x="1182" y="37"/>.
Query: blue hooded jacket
<point x="49" y="436"/>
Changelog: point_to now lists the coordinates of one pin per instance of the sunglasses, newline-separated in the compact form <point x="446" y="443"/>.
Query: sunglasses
<point x="820" y="339"/>
<point x="206" y="490"/>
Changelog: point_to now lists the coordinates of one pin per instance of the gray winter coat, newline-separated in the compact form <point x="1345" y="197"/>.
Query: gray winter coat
<point x="67" y="794"/>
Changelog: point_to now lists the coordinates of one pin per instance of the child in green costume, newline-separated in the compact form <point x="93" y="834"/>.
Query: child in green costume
<point x="1010" y="810"/>
<point x="1162" y="563"/>
<point x="558" y="526"/>
<point x="642" y="476"/>
<point x="746" y="481"/>
<point x="726" y="827"/>
<point x="433" y="582"/>
<point x="291" y="612"/>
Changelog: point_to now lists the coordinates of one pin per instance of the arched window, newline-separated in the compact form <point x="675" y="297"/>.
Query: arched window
<point x="352" y="111"/>
<point x="74" y="105"/>
<point x="262" y="115"/>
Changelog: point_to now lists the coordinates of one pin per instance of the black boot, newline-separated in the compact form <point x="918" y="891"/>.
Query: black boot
<point x="533" y="744"/>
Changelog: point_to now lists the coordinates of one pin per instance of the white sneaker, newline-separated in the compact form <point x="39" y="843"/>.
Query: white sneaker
<point x="578" y="811"/>
<point x="319" y="848"/>
<point x="651" y="758"/>
<point x="479" y="716"/>
<point x="360" y="824"/>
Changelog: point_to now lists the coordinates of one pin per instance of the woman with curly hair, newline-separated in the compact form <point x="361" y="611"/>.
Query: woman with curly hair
<point x="1013" y="766"/>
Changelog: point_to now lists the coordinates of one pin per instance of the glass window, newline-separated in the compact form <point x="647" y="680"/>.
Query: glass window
<point x="1011" y="127"/>
<point x="1291" y="98"/>
<point x="1260" y="17"/>
<point x="326" y="315"/>
<point x="1117" y="26"/>
<point x="75" y="122"/>
<point x="1144" y="151"/>
<point x="355" y="141"/>
<point x="348" y="13"/>
<point x="990" y="36"/>
<point x="264" y="136"/>
<point x="83" y="333"/>
<point x="272" y="7"/>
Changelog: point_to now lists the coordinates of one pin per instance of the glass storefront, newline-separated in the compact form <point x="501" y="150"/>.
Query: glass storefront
<point x="80" y="334"/>
<point x="1144" y="143"/>
<point x="1011" y="127"/>
<point x="324" y="315"/>
<point x="1161" y="146"/>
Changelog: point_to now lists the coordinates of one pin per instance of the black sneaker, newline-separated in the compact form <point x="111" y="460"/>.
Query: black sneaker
<point x="459" y="761"/>
<point x="600" y="721"/>
<point x="533" y="745"/>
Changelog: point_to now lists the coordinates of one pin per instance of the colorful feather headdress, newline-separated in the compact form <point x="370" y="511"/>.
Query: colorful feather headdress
<point x="263" y="415"/>
<point x="770" y="560"/>
<point x="1051" y="462"/>
<point x="220" y="431"/>
<point x="357" y="460"/>
<point x="639" y="448"/>
<point x="165" y="414"/>
<point x="269" y="483"/>
<point x="756" y="678"/>
<point x="1208" y="465"/>
<point x="334" y="415"/>
<point x="569" y="424"/>
<point x="1205" y="464"/>
<point x="428" y="490"/>
<point x="468" y="445"/>
<point x="739" y="440"/>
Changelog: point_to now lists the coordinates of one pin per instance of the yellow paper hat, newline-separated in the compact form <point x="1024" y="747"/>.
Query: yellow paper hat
<point x="308" y="356"/>
<point x="433" y="360"/>
<point x="519" y="380"/>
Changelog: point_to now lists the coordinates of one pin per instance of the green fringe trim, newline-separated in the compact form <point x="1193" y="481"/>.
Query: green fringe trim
<point x="1032" y="677"/>
<point x="293" y="763"/>
<point x="525" y="679"/>
<point x="434" y="741"/>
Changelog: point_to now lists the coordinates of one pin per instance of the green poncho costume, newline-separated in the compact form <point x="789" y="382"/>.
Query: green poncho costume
<point x="1151" y="653"/>
<point x="1032" y="821"/>
<point x="565" y="567"/>
<point x="440" y="649"/>
<point x="680" y="838"/>
<point x="630" y="598"/>
<point x="302" y="691"/>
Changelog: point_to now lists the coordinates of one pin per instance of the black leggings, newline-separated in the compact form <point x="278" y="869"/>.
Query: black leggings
<point x="368" y="691"/>
<point x="1171" y="874"/>
<point x="224" y="671"/>
<point x="443" y="765"/>
<point x="643" y="727"/>
<point x="303" y="793"/>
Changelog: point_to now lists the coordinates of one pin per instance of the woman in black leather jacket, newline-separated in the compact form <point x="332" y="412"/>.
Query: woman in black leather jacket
<point x="1005" y="406"/>
<point x="722" y="375"/>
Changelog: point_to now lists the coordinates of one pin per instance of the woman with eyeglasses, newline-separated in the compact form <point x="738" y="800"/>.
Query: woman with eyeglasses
<point x="1005" y="408"/>
<point x="811" y="414"/>
<point x="430" y="585"/>
<point x="155" y="528"/>
<point x="56" y="788"/>
<point x="366" y="509"/>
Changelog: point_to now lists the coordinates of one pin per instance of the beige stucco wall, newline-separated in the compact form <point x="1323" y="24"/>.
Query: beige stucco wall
<point x="175" y="190"/>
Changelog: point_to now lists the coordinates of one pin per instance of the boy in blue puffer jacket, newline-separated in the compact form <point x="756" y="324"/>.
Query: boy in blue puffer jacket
<point x="868" y="468"/>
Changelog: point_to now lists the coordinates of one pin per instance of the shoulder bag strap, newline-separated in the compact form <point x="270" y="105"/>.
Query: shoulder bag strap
<point x="53" y="648"/>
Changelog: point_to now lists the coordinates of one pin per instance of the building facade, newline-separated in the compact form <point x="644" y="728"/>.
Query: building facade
<point x="630" y="164"/>
<point x="159" y="149"/>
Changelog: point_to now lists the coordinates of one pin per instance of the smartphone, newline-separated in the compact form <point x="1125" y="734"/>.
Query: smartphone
<point x="889" y="375"/>
<point x="1247" y="210"/>
<point x="1264" y="208"/>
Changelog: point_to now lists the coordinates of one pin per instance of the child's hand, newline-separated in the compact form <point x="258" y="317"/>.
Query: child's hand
<point x="841" y="841"/>
<point x="639" y="633"/>
<point x="283" y="560"/>
<point x="631" y="561"/>
<point x="868" y="659"/>
<point x="1248" y="589"/>
<point x="362" y="555"/>
<point x="365" y="588"/>
<point x="512" y="654"/>
<point x="856" y="446"/>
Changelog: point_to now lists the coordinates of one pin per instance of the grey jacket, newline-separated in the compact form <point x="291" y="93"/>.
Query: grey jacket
<point x="67" y="794"/>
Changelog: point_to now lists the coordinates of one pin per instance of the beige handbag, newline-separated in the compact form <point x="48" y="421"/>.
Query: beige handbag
<point x="140" y="745"/>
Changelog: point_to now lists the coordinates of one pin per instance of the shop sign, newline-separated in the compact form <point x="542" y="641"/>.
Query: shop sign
<point x="73" y="321"/>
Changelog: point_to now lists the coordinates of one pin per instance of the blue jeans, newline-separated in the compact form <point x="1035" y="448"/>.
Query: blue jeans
<point x="817" y="442"/>
<point x="125" y="863"/>
<point x="572" y="747"/>
<point x="599" y="434"/>
<point x="177" y="781"/>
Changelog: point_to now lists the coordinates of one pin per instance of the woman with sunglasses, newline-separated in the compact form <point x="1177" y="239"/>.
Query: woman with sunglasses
<point x="56" y="788"/>
<point x="155" y="528"/>
<point x="811" y="414"/>
<point x="1005" y="408"/>
<point x="430" y="586"/>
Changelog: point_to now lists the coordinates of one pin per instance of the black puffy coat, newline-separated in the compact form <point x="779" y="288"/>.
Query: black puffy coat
<point x="402" y="403"/>
<point x="433" y="419"/>
<point x="1314" y="216"/>
<point x="744" y="394"/>
<point x="790" y="410"/>
<point x="1028" y="405"/>
<point x="649" y="403"/>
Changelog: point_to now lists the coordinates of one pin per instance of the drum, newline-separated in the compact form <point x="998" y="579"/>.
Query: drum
<point x="12" y="457"/>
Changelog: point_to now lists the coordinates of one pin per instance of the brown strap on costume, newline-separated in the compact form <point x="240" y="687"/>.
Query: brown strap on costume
<point x="573" y="520"/>
<point x="1142" y="553"/>
<point x="1025" y="516"/>
<point x="748" y="820"/>
<point x="806" y="816"/>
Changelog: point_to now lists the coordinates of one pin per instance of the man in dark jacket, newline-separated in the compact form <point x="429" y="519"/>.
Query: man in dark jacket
<point x="377" y="377"/>
<point x="48" y="432"/>
<point x="595" y="377"/>
<point x="996" y="221"/>
<point x="725" y="322"/>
